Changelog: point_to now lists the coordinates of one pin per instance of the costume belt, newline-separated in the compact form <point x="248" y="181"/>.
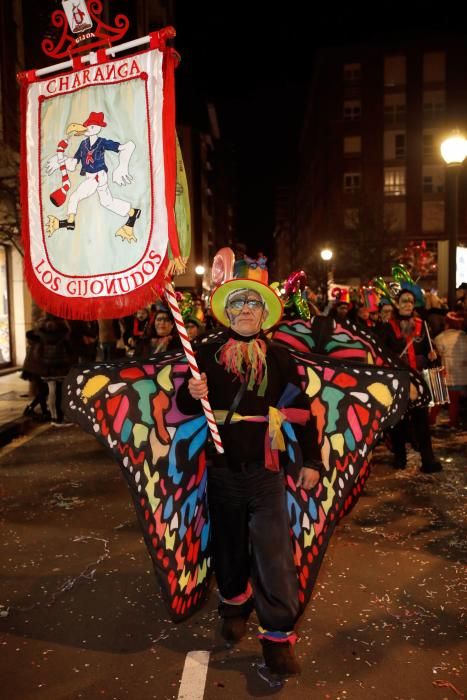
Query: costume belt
<point x="279" y="430"/>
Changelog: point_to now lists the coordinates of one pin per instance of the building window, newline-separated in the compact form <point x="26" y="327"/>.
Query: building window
<point x="352" y="72"/>
<point x="433" y="179"/>
<point x="394" y="109"/>
<point x="394" y="145"/>
<point x="352" y="182"/>
<point x="351" y="218"/>
<point x="352" y="145"/>
<point x="352" y="110"/>
<point x="394" y="71"/>
<point x="394" y="182"/>
<point x="399" y="145"/>
<point x="434" y="67"/>
<point x="428" y="148"/>
<point x="394" y="217"/>
<point x="433" y="217"/>
<point x="434" y="104"/>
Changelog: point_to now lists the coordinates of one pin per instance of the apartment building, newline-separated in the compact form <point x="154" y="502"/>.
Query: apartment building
<point x="371" y="177"/>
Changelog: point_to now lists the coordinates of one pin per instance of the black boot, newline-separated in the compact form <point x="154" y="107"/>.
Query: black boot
<point x="279" y="657"/>
<point x="132" y="219"/>
<point x="431" y="467"/>
<point x="233" y="628"/>
<point x="400" y="461"/>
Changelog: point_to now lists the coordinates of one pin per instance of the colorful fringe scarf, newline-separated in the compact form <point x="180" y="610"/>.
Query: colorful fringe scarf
<point x="246" y="360"/>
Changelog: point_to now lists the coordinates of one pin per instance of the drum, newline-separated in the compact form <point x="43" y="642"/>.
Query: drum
<point x="435" y="379"/>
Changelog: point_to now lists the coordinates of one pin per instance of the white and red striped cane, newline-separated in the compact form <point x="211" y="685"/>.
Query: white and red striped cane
<point x="59" y="196"/>
<point x="190" y="355"/>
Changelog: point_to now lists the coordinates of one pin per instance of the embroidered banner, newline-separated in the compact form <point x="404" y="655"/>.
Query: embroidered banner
<point x="98" y="178"/>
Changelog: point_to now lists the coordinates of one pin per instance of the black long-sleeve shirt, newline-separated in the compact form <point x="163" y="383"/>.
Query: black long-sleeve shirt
<point x="244" y="441"/>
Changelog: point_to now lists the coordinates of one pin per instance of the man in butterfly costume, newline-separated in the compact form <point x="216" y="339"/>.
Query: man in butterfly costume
<point x="148" y="416"/>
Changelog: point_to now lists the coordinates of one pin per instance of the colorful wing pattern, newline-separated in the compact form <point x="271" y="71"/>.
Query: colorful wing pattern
<point x="352" y="405"/>
<point x="131" y="410"/>
<point x="347" y="341"/>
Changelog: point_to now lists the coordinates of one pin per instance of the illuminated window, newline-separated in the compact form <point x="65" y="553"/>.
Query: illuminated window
<point x="394" y="182"/>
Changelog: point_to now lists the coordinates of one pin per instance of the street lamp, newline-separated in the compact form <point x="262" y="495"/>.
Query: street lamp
<point x="326" y="256"/>
<point x="453" y="151"/>
<point x="199" y="271"/>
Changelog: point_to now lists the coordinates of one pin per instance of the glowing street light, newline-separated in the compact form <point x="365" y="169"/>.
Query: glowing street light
<point x="454" y="148"/>
<point x="453" y="151"/>
<point x="326" y="256"/>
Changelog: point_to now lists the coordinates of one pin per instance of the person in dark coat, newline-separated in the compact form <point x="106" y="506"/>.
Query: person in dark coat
<point x="405" y="335"/>
<point x="57" y="359"/>
<point x="247" y="375"/>
<point x="32" y="370"/>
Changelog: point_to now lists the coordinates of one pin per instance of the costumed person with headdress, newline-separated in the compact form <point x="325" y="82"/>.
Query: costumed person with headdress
<point x="341" y="305"/>
<point x="298" y="430"/>
<point x="405" y="334"/>
<point x="248" y="377"/>
<point x="365" y="305"/>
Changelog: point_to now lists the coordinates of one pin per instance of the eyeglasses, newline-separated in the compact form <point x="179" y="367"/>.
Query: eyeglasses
<point x="238" y="304"/>
<point x="406" y="300"/>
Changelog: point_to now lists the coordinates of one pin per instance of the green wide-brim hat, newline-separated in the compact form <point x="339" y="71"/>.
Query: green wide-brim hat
<point x="269" y="296"/>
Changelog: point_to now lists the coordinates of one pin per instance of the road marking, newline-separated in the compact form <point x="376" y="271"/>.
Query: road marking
<point x="194" y="675"/>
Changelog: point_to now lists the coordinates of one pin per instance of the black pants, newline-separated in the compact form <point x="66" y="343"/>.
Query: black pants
<point x="417" y="421"/>
<point x="251" y="540"/>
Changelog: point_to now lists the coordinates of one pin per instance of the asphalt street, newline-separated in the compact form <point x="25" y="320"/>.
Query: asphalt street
<point x="81" y="615"/>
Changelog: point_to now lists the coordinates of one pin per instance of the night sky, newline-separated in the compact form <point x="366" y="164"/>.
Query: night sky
<point x="255" y="63"/>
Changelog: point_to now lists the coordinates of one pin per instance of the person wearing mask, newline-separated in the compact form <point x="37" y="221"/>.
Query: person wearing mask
<point x="246" y="374"/>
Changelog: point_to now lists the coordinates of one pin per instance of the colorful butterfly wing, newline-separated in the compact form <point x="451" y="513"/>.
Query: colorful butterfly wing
<point x="346" y="341"/>
<point x="130" y="408"/>
<point x="352" y="405"/>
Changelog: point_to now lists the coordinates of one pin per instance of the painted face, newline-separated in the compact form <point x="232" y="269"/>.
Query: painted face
<point x="163" y="325"/>
<point x="406" y="304"/>
<point x="246" y="312"/>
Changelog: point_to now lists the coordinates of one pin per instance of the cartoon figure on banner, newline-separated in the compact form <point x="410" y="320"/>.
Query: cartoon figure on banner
<point x="91" y="156"/>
